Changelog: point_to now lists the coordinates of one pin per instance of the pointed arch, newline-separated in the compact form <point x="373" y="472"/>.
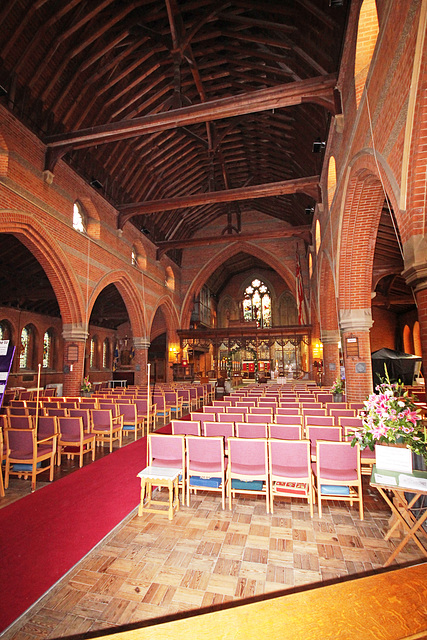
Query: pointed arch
<point x="170" y="313"/>
<point x="221" y="256"/>
<point x="131" y="297"/>
<point x="52" y="258"/>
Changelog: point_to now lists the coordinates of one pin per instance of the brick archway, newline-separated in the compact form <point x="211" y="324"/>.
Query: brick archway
<point x="169" y="311"/>
<point x="246" y="247"/>
<point x="53" y="260"/>
<point x="131" y="297"/>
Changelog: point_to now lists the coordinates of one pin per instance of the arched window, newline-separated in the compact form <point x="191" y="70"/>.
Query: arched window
<point x="318" y="236"/>
<point x="79" y="222"/>
<point x="25" y="354"/>
<point x="170" y="278"/>
<point x="257" y="304"/>
<point x="417" y="339"/>
<point x="5" y="330"/>
<point x="48" y="349"/>
<point x="367" y="34"/>
<point x="407" y="339"/>
<point x="93" y="352"/>
<point x="134" y="257"/>
<point x="332" y="180"/>
<point x="106" y="354"/>
<point x="310" y="265"/>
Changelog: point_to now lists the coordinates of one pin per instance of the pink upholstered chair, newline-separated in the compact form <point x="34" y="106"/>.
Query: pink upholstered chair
<point x="73" y="440"/>
<point x="259" y="418"/>
<point x="247" y="470"/>
<point x="165" y="450"/>
<point x="142" y="412"/>
<point x="251" y="430"/>
<point x="84" y="414"/>
<point x="131" y="421"/>
<point x="25" y="453"/>
<point x="20" y="422"/>
<point x="338" y="474"/>
<point x="106" y="428"/>
<point x="174" y="404"/>
<point x="293" y="419"/>
<point x="288" y="411"/>
<point x="162" y="410"/>
<point x="48" y="426"/>
<point x="186" y="427"/>
<point x="315" y="433"/>
<point x="285" y="431"/>
<point x="224" y="429"/>
<point x="59" y="413"/>
<point x="205" y="465"/>
<point x="231" y="417"/>
<point x="290" y="470"/>
<point x="336" y="414"/>
<point x="319" y="421"/>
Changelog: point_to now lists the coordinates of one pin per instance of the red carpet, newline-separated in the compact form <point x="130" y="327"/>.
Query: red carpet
<point x="45" y="534"/>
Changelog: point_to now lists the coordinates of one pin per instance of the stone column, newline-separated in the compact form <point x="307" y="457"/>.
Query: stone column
<point x="331" y="356"/>
<point x="355" y="325"/>
<point x="140" y="359"/>
<point x="415" y="274"/>
<point x="75" y="336"/>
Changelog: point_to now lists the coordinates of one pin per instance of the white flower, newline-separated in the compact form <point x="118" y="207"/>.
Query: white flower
<point x="400" y="403"/>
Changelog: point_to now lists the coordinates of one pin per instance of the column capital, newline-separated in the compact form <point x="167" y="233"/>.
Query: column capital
<point x="330" y="336"/>
<point x="75" y="332"/>
<point x="415" y="252"/>
<point x="356" y="320"/>
<point x="141" y="342"/>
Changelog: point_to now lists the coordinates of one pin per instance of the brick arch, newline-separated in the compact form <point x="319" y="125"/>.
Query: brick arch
<point x="415" y="161"/>
<point x="169" y="311"/>
<point x="131" y="297"/>
<point x="220" y="257"/>
<point x="363" y="202"/>
<point x="52" y="258"/>
<point x="327" y="303"/>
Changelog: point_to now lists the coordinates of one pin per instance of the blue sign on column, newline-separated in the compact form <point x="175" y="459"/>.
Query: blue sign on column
<point x="7" y="351"/>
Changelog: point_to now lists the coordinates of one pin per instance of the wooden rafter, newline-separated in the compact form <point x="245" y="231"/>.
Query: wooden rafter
<point x="300" y="185"/>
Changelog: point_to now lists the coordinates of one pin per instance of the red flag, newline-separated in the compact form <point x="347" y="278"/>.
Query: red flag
<point x="302" y="318"/>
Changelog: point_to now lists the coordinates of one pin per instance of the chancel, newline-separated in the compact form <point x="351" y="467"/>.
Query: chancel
<point x="212" y="221"/>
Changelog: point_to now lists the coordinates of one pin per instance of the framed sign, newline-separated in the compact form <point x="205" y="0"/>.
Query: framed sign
<point x="73" y="353"/>
<point x="352" y="347"/>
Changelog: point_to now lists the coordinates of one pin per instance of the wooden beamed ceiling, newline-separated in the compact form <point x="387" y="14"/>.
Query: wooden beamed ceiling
<point x="179" y="100"/>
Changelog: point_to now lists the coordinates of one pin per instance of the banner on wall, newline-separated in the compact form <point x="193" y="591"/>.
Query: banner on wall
<point x="302" y="316"/>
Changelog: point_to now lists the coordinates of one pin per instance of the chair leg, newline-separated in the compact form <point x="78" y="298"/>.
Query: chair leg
<point x="2" y="494"/>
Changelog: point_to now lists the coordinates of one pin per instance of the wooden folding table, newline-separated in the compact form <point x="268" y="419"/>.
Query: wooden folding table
<point x="407" y="513"/>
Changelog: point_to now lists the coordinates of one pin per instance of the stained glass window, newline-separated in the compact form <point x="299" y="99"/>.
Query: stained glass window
<point x="105" y="353"/>
<point x="92" y="359"/>
<point x="47" y="349"/>
<point x="25" y="348"/>
<point x="257" y="304"/>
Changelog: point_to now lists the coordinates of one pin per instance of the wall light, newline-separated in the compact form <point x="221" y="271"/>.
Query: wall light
<point x="318" y="146"/>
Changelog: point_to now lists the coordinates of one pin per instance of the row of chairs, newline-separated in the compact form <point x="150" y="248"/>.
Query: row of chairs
<point x="239" y="415"/>
<point x="267" y="466"/>
<point x="312" y="432"/>
<point x="27" y="445"/>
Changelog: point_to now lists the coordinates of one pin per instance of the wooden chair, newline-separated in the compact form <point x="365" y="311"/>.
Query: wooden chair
<point x="247" y="470"/>
<point x="290" y="470"/>
<point x="106" y="428"/>
<point x="25" y="454"/>
<point x="205" y="467"/>
<point x="73" y="440"/>
<point x="338" y="474"/>
<point x="168" y="451"/>
<point x="131" y="421"/>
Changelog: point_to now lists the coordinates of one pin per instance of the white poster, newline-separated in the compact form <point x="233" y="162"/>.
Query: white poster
<point x="4" y="344"/>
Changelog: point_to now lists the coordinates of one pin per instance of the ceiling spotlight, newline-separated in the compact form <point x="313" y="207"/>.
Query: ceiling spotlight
<point x="96" y="184"/>
<point x="145" y="230"/>
<point x="309" y="211"/>
<point x="336" y="3"/>
<point x="318" y="146"/>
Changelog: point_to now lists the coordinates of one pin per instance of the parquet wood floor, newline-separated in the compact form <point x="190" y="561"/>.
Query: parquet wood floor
<point x="150" y="567"/>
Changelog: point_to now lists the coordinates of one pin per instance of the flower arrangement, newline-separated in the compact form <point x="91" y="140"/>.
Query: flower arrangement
<point x="86" y="385"/>
<point x="392" y="417"/>
<point x="338" y="386"/>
